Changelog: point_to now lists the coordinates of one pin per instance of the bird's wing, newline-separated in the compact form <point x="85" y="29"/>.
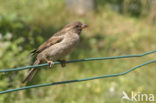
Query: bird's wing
<point x="53" y="40"/>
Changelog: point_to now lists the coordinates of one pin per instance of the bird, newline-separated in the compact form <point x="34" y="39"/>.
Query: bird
<point x="57" y="47"/>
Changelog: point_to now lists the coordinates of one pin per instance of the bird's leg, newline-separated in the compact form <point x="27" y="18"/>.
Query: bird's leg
<point x="51" y="63"/>
<point x="63" y="63"/>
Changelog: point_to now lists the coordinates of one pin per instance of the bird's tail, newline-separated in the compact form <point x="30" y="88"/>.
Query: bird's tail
<point x="31" y="73"/>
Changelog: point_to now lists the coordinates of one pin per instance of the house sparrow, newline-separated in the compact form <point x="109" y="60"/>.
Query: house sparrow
<point x="57" y="46"/>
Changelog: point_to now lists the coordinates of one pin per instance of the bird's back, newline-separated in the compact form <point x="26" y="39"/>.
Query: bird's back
<point x="61" y="49"/>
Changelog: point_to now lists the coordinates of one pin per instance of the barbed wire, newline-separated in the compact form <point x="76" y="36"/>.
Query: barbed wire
<point x="79" y="80"/>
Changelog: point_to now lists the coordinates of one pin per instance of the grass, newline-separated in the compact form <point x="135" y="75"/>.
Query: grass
<point x="109" y="34"/>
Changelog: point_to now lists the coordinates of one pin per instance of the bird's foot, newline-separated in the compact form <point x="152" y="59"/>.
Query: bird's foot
<point x="51" y="63"/>
<point x="63" y="63"/>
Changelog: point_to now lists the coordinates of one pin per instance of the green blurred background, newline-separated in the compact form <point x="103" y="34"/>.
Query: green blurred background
<point x="116" y="27"/>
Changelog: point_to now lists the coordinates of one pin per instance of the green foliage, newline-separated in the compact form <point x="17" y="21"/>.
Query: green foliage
<point x="26" y="24"/>
<point x="10" y="49"/>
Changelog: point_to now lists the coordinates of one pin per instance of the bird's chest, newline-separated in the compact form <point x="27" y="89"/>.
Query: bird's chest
<point x="65" y="47"/>
<point x="69" y="43"/>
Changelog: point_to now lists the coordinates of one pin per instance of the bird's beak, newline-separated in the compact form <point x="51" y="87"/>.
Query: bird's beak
<point x="83" y="26"/>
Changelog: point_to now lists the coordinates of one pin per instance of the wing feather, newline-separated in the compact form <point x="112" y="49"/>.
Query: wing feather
<point x="53" y="40"/>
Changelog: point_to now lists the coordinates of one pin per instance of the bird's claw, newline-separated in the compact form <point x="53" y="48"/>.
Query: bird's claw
<point x="63" y="63"/>
<point x="51" y="63"/>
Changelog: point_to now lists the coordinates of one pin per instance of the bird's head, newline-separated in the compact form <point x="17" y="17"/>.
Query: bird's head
<point x="75" y="27"/>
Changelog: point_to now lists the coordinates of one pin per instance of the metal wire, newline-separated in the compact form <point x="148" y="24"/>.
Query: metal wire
<point x="80" y="60"/>
<point x="78" y="80"/>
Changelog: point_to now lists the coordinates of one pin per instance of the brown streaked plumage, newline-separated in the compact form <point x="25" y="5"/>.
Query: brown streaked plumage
<point x="57" y="46"/>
